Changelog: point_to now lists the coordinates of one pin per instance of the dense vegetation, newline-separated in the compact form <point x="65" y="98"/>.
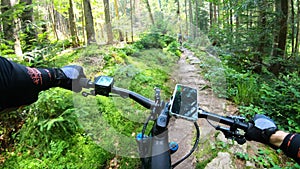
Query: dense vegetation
<point x="256" y="44"/>
<point x="53" y="134"/>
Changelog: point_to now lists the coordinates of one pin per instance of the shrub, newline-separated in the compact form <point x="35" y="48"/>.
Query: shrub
<point x="154" y="40"/>
<point x="280" y="98"/>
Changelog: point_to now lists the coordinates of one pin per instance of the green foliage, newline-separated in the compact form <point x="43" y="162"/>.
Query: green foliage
<point x="52" y="136"/>
<point x="251" y="110"/>
<point x="242" y="87"/>
<point x="154" y="40"/>
<point x="280" y="99"/>
<point x="277" y="98"/>
<point x="45" y="54"/>
<point x="73" y="152"/>
<point x="51" y="117"/>
<point x="6" y="49"/>
<point x="266" y="158"/>
<point x="173" y="47"/>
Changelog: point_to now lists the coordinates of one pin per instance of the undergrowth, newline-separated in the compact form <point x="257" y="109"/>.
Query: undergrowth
<point x="61" y="130"/>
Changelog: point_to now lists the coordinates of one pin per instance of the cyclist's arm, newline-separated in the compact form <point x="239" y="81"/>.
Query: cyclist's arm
<point x="288" y="143"/>
<point x="20" y="85"/>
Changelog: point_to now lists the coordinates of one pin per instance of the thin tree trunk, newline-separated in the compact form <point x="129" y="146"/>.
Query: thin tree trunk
<point x="108" y="22"/>
<point x="160" y="6"/>
<point x="131" y="19"/>
<point x="7" y="22"/>
<point x="190" y="17"/>
<point x="10" y="27"/>
<point x="116" y="8"/>
<point x="298" y="29"/>
<point x="262" y="37"/>
<point x="215" y="13"/>
<point x="53" y="20"/>
<point x="196" y="19"/>
<point x="73" y="30"/>
<point x="89" y="22"/>
<point x="149" y="11"/>
<point x="83" y="24"/>
<point x="282" y="37"/>
<point x="283" y="28"/>
<point x="179" y="19"/>
<point x="231" y="17"/>
<point x="27" y="24"/>
<point x="186" y="19"/>
<point x="293" y="28"/>
<point x="211" y="14"/>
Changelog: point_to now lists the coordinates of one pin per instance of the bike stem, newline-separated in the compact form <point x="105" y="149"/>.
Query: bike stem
<point x="160" y="140"/>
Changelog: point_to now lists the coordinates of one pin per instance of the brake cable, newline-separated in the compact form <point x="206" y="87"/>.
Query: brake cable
<point x="194" y="146"/>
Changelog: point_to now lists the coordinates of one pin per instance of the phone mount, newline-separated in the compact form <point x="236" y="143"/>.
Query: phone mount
<point x="184" y="103"/>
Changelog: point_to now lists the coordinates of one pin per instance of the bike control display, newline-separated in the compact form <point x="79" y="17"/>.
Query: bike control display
<point x="103" y="85"/>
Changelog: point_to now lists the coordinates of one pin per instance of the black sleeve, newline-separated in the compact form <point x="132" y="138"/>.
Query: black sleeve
<point x="20" y="85"/>
<point x="291" y="146"/>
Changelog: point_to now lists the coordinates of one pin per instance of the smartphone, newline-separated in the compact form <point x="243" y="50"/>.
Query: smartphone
<point x="184" y="102"/>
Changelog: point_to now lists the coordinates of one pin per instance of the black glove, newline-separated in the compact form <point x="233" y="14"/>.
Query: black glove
<point x="261" y="129"/>
<point x="68" y="77"/>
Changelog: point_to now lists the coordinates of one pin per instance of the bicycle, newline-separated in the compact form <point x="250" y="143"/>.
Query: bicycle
<point x="154" y="148"/>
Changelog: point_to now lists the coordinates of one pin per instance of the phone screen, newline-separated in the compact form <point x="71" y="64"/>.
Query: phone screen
<point x="184" y="102"/>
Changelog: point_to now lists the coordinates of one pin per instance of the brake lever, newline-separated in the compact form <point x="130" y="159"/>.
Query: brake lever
<point x="232" y="134"/>
<point x="86" y="94"/>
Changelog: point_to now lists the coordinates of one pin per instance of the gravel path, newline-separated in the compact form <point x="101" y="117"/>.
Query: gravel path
<point x="182" y="131"/>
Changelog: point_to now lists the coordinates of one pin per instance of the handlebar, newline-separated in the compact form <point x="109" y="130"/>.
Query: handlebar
<point x="233" y="121"/>
<point x="145" y="102"/>
<point x="103" y="85"/>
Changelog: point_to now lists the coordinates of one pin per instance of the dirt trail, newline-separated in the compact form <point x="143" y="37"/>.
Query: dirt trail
<point x="181" y="131"/>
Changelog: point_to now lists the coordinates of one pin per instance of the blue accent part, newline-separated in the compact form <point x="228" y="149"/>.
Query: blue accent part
<point x="139" y="136"/>
<point x="173" y="146"/>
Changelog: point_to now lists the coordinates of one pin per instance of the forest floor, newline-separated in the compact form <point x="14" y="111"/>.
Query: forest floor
<point x="182" y="131"/>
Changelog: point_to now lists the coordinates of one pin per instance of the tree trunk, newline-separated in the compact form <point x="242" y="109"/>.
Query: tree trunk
<point x="53" y="20"/>
<point x="10" y="25"/>
<point x="293" y="28"/>
<point x="116" y="9"/>
<point x="231" y="17"/>
<point x="131" y="19"/>
<point x="89" y="22"/>
<point x="186" y="19"/>
<point x="297" y="31"/>
<point x="282" y="37"/>
<point x="262" y="23"/>
<point x="190" y="17"/>
<point x="73" y="30"/>
<point x="211" y="14"/>
<point x="196" y="28"/>
<point x="108" y="22"/>
<point x="83" y="25"/>
<point x="7" y="22"/>
<point x="27" y="24"/>
<point x="215" y="13"/>
<point x="179" y="19"/>
<point x="149" y="11"/>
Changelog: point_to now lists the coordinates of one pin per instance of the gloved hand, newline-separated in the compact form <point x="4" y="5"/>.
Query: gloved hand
<point x="261" y="129"/>
<point x="68" y="77"/>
